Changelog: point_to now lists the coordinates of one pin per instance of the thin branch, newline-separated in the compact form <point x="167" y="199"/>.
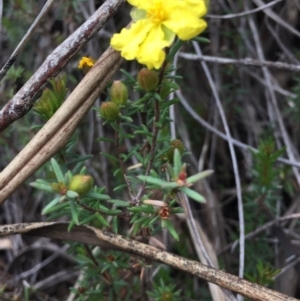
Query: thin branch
<point x="57" y="131"/>
<point x="284" y="134"/>
<point x="26" y="38"/>
<point x="155" y="130"/>
<point x="242" y="145"/>
<point x="94" y="236"/>
<point x="21" y="103"/>
<point x="277" y="19"/>
<point x="234" y="163"/>
<point x="263" y="228"/>
<point x="246" y="13"/>
<point x="121" y="163"/>
<point x="199" y="246"/>
<point x="241" y="62"/>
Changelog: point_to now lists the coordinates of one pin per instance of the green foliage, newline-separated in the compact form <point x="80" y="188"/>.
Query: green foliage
<point x="163" y="292"/>
<point x="260" y="205"/>
<point x="264" y="274"/>
<point x="159" y="167"/>
<point x="51" y="99"/>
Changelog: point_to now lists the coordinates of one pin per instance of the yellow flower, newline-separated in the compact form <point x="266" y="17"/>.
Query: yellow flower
<point x="156" y="24"/>
<point x="86" y="62"/>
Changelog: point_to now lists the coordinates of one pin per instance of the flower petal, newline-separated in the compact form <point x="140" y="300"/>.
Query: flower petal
<point x="198" y="6"/>
<point x="185" y="24"/>
<point x="129" y="40"/>
<point x="151" y="51"/>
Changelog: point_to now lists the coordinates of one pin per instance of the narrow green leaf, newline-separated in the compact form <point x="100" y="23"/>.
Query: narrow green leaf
<point x="58" y="173"/>
<point x="53" y="203"/>
<point x="119" y="203"/>
<point x="201" y="40"/>
<point x="101" y="219"/>
<point x="139" y="157"/>
<point x="136" y="228"/>
<point x="80" y="159"/>
<point x="128" y="76"/>
<point x="58" y="207"/>
<point x="103" y="208"/>
<point x="87" y="219"/>
<point x="120" y="187"/>
<point x="141" y="219"/>
<point x="141" y="132"/>
<point x="71" y="225"/>
<point x="170" y="185"/>
<point x="74" y="212"/>
<point x="115" y="224"/>
<point x="72" y="194"/>
<point x="145" y="209"/>
<point x="177" y="210"/>
<point x="126" y="118"/>
<point x="42" y="186"/>
<point x="153" y="220"/>
<point x="166" y="223"/>
<point x="135" y="209"/>
<point x="117" y="171"/>
<point x="193" y="194"/>
<point x="114" y="211"/>
<point x="152" y="180"/>
<point x="199" y="176"/>
<point x="157" y="96"/>
<point x="134" y="218"/>
<point x="147" y="222"/>
<point x="169" y="103"/>
<point x="107" y="155"/>
<point x="177" y="162"/>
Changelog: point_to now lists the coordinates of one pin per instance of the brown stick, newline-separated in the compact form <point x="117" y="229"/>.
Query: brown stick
<point x="56" y="132"/>
<point x="94" y="236"/>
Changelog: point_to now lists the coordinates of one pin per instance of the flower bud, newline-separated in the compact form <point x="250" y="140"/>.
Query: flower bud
<point x="118" y="93"/>
<point x="167" y="296"/>
<point x="147" y="79"/>
<point x="109" y="111"/>
<point x="174" y="144"/>
<point x="81" y="184"/>
<point x="164" y="212"/>
<point x="60" y="188"/>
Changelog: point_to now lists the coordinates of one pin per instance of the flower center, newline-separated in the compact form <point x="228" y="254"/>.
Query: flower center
<point x="156" y="12"/>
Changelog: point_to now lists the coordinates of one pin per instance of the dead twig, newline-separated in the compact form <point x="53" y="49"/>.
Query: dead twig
<point x="94" y="236"/>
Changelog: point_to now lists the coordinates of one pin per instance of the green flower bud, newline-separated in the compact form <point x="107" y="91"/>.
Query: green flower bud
<point x="147" y="79"/>
<point x="109" y="111"/>
<point x="81" y="184"/>
<point x="173" y="145"/>
<point x="118" y="93"/>
<point x="167" y="296"/>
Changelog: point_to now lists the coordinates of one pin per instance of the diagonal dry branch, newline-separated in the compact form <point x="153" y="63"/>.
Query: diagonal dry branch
<point x="107" y="240"/>
<point x="25" y="39"/>
<point x="21" y="103"/>
<point x="56" y="132"/>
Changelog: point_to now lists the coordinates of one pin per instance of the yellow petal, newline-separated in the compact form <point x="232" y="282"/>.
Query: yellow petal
<point x="141" y="4"/>
<point x="185" y="24"/>
<point x="151" y="51"/>
<point x="198" y="6"/>
<point x="129" y="40"/>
